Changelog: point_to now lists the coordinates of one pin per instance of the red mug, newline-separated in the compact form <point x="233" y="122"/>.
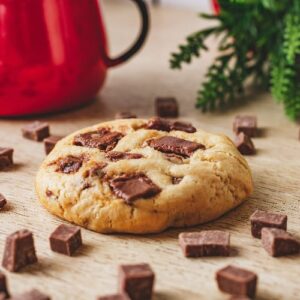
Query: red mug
<point x="53" y="54"/>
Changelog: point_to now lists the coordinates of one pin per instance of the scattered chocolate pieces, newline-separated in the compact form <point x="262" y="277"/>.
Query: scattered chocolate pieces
<point x="132" y="187"/>
<point x="176" y="180"/>
<point x="114" y="297"/>
<point x="278" y="242"/>
<point x="50" y="142"/>
<point x="6" y="157"/>
<point x="137" y="281"/>
<point x="125" y="115"/>
<point x="171" y="144"/>
<point x="244" y="144"/>
<point x="260" y="219"/>
<point x="103" y="139"/>
<point x="116" y="156"/>
<point x="165" y="125"/>
<point x="3" y="201"/>
<point x="3" y="286"/>
<point x="65" y="239"/>
<point x="69" y="165"/>
<point x="166" y="107"/>
<point x="205" y="243"/>
<point x="245" y="124"/>
<point x="34" y="294"/>
<point x="36" y="131"/>
<point x="237" y="281"/>
<point x="19" y="251"/>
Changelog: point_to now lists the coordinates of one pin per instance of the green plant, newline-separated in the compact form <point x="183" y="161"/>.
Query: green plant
<point x="259" y="41"/>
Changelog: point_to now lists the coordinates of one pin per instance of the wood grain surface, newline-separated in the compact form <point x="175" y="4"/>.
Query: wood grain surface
<point x="133" y="86"/>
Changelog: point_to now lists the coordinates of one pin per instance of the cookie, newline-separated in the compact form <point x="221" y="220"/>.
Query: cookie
<point x="142" y="176"/>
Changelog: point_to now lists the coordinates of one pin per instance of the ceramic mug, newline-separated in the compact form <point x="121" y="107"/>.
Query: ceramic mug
<point x="53" y="54"/>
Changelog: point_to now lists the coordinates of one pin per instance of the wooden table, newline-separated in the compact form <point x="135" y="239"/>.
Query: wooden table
<point x="133" y="87"/>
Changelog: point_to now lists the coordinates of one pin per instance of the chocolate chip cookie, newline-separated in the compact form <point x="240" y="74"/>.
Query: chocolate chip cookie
<point x="142" y="176"/>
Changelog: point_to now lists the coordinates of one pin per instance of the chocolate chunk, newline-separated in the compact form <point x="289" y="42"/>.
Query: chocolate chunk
<point x="19" y="251"/>
<point x="205" y="243"/>
<point x="166" y="107"/>
<point x="278" y="242"/>
<point x="244" y="144"/>
<point x="3" y="201"/>
<point x="50" y="142"/>
<point x="171" y="144"/>
<point x="3" y="286"/>
<point x="115" y="155"/>
<point x="125" y="115"/>
<point x="137" y="281"/>
<point x="36" y="131"/>
<point x="176" y="180"/>
<point x="183" y="126"/>
<point x="159" y="124"/>
<point x="114" y="297"/>
<point x="65" y="239"/>
<point x="245" y="124"/>
<point x="132" y="187"/>
<point x="34" y="294"/>
<point x="237" y="281"/>
<point x="69" y="165"/>
<point x="260" y="219"/>
<point x="103" y="139"/>
<point x="6" y="157"/>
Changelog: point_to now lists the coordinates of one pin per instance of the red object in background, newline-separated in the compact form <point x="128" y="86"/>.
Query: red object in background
<point x="216" y="6"/>
<point x="53" y="54"/>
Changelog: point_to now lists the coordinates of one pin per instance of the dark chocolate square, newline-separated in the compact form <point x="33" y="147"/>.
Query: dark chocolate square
<point x="69" y="164"/>
<point x="66" y="239"/>
<point x="116" y="155"/>
<point x="278" y="242"/>
<point x="237" y="281"/>
<point x="6" y="157"/>
<point x="205" y="243"/>
<point x="50" y="142"/>
<point x="245" y="124"/>
<point x="137" y="281"/>
<point x="244" y="144"/>
<point x="166" y="107"/>
<point x="19" y="251"/>
<point x="36" y="131"/>
<point x="260" y="219"/>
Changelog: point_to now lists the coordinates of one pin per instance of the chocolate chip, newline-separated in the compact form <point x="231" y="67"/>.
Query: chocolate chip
<point x="134" y="186"/>
<point x="176" y="180"/>
<point x="159" y="124"/>
<point x="3" y="286"/>
<point x="278" y="242"/>
<point x="19" y="251"/>
<point x="205" y="243"/>
<point x="260" y="219"/>
<point x="114" y="297"/>
<point x="6" y="157"/>
<point x="69" y="165"/>
<point x="36" y="131"/>
<point x="125" y="115"/>
<point x="3" y="201"/>
<point x="137" y="281"/>
<point x="103" y="139"/>
<point x="50" y="142"/>
<point x="245" y="124"/>
<point x="34" y="294"/>
<point x="115" y="155"/>
<point x="171" y="144"/>
<point x="244" y="144"/>
<point x="237" y="281"/>
<point x="65" y="239"/>
<point x="183" y="126"/>
<point x="166" y="107"/>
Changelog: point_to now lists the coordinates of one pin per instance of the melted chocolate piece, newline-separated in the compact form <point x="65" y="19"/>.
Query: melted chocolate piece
<point x="183" y="126"/>
<point x="170" y="144"/>
<point x="103" y="139"/>
<point x="115" y="155"/>
<point x="132" y="187"/>
<point x="165" y="125"/>
<point x="69" y="165"/>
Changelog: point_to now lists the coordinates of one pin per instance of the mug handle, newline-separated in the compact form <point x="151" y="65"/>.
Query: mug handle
<point x="112" y="62"/>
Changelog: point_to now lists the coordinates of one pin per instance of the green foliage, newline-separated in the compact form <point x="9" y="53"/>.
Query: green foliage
<point x="259" y="41"/>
